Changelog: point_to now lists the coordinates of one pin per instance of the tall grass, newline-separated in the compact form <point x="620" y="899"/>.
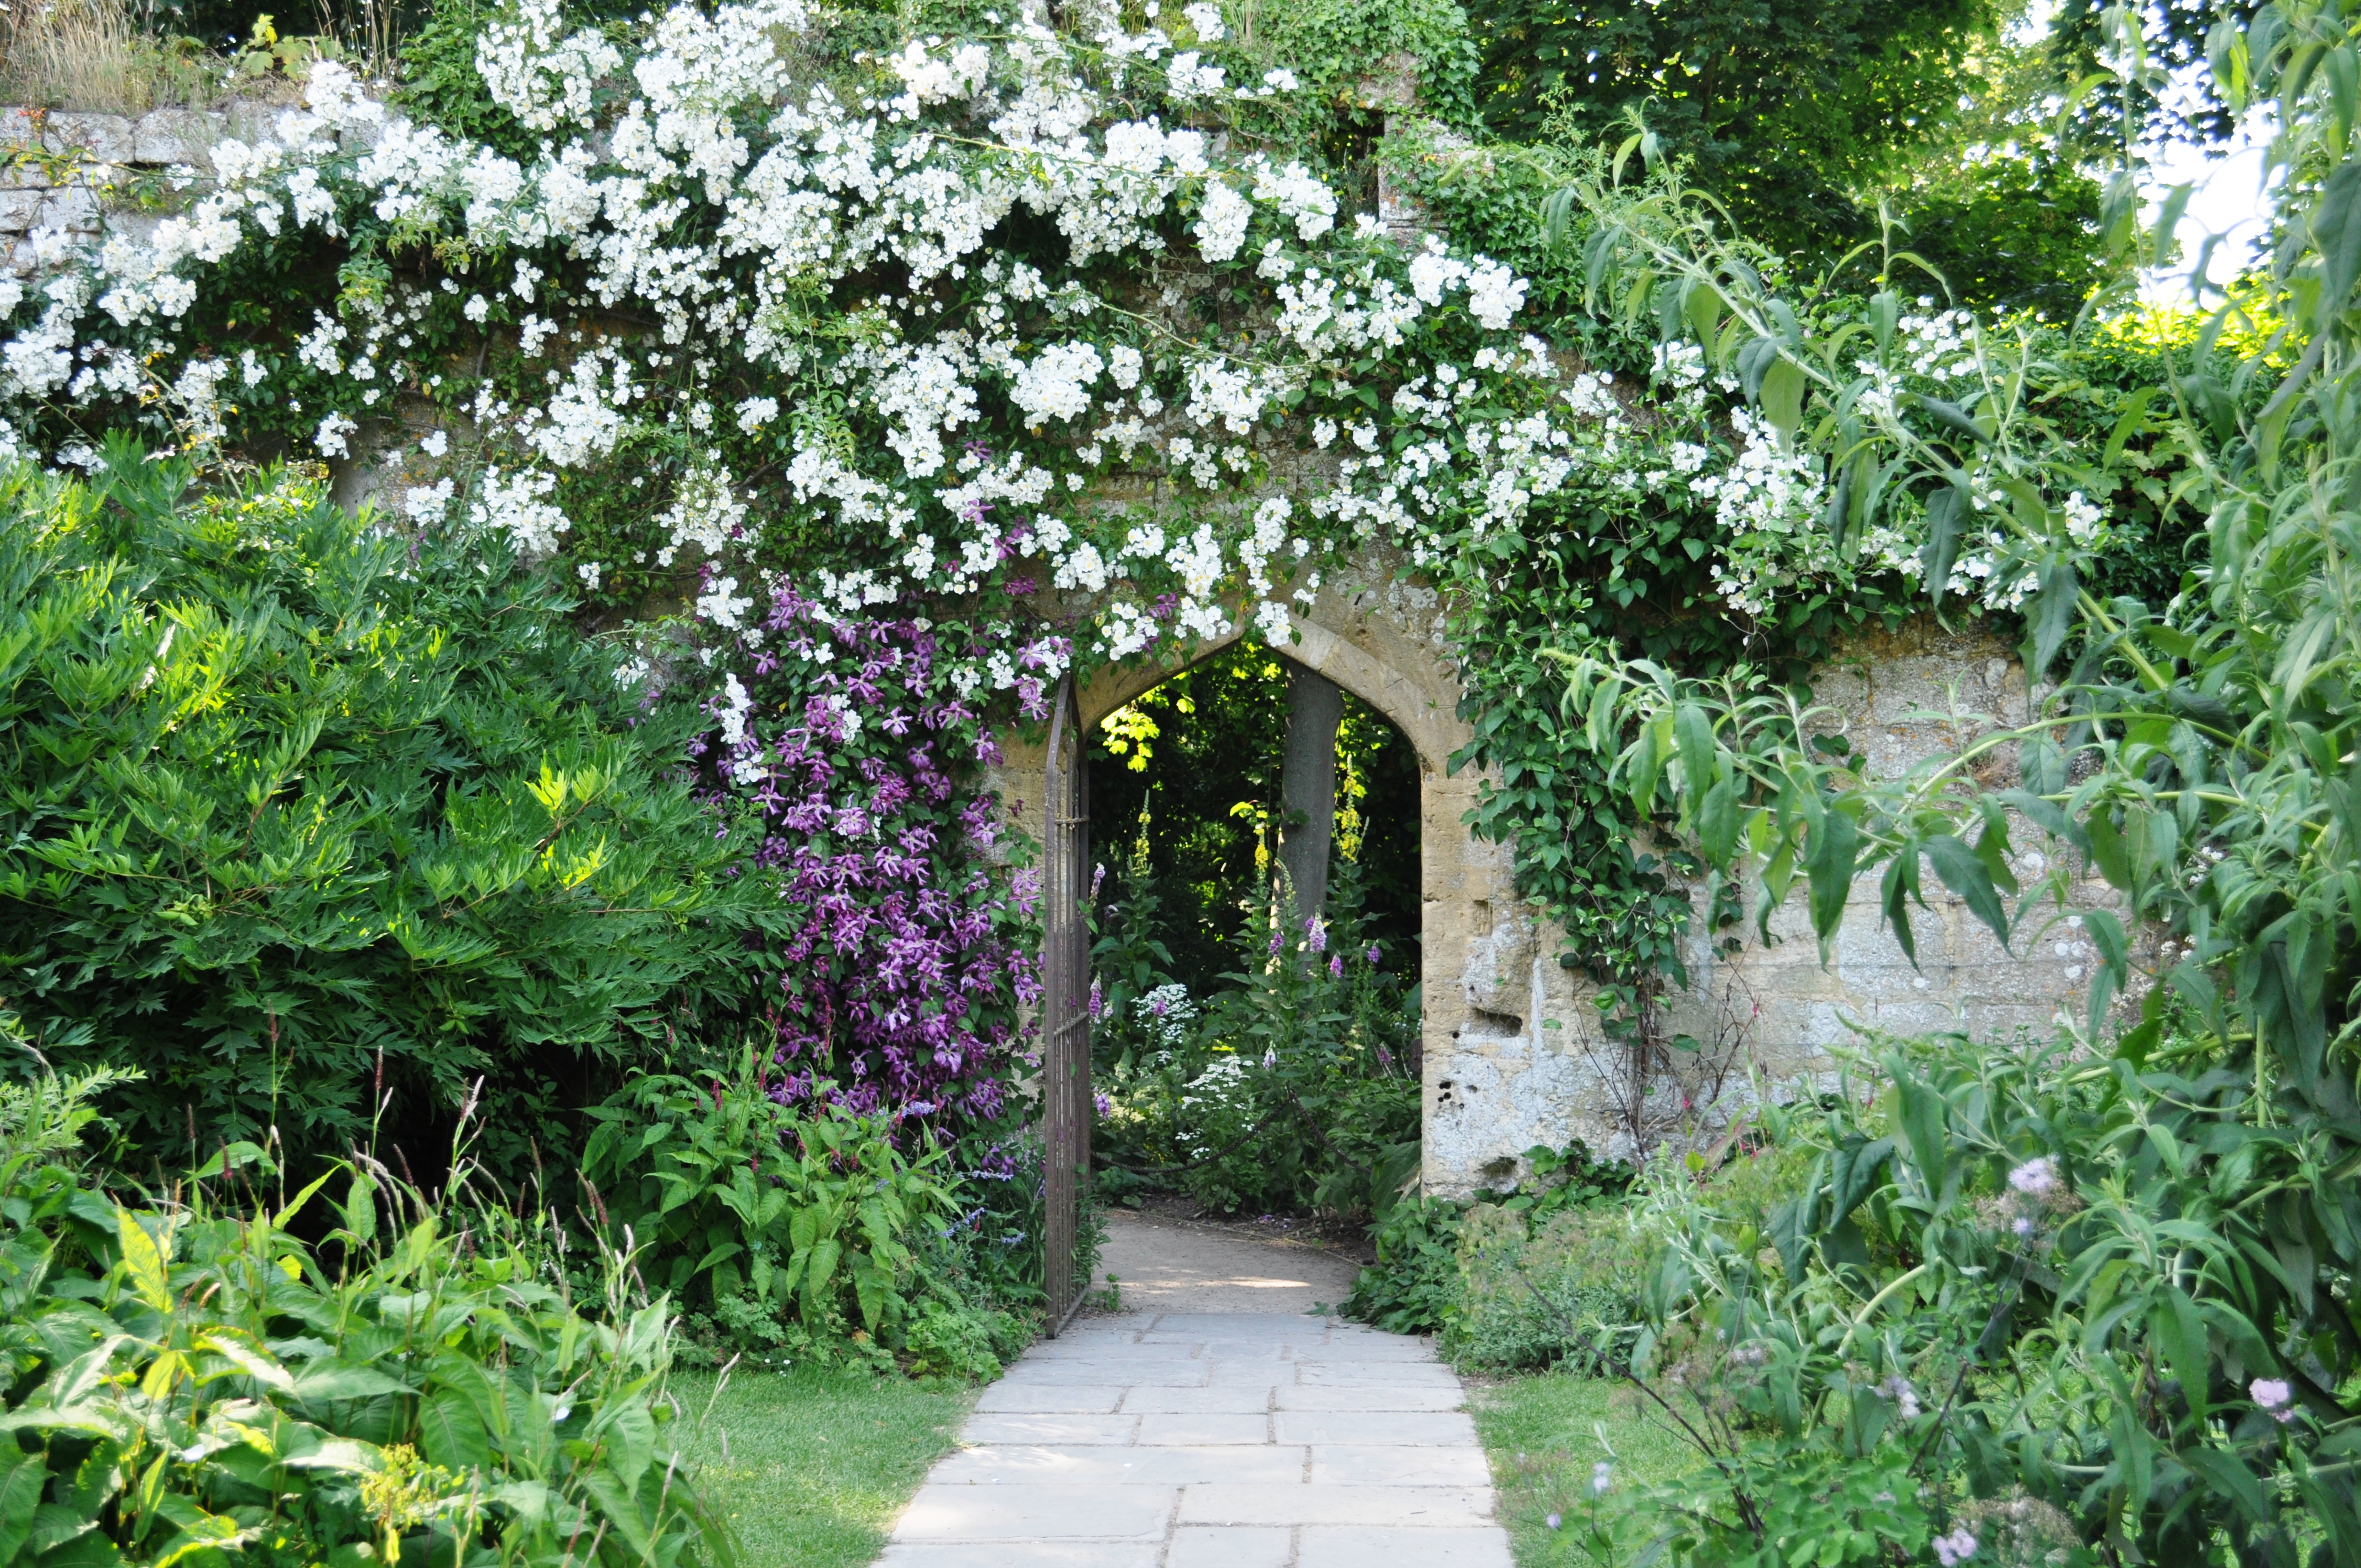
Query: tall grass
<point x="96" y="55"/>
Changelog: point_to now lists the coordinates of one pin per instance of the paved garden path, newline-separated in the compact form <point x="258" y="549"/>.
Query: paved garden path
<point x="1160" y="1437"/>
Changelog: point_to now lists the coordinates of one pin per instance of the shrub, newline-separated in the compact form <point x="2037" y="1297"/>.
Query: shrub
<point x="1419" y="1284"/>
<point x="1291" y="1090"/>
<point x="798" y="1229"/>
<point x="318" y="823"/>
<point x="190" y="1381"/>
<point x="2012" y="1300"/>
<point x="903" y="952"/>
<point x="1414" y="1285"/>
<point x="1531" y="1294"/>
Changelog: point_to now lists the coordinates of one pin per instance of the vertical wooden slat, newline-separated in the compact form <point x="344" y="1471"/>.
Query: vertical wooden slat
<point x="1065" y="1004"/>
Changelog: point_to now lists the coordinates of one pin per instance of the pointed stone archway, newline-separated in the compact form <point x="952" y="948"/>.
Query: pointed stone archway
<point x="1513" y="1053"/>
<point x="1378" y="635"/>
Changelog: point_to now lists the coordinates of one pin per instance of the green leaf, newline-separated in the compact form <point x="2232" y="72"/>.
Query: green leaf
<point x="2134" y="408"/>
<point x="242" y="1351"/>
<point x="359" y="1213"/>
<point x="621" y="1508"/>
<point x="324" y="1381"/>
<point x="632" y="1431"/>
<point x="143" y="1261"/>
<point x="2180" y="1336"/>
<point x="2336" y="230"/>
<point x="2045" y="815"/>
<point x="1948" y="511"/>
<point x="1693" y="732"/>
<point x="1830" y="864"/>
<point x="2107" y="850"/>
<point x="2228" y="1476"/>
<point x="1856" y="1169"/>
<point x="1965" y="873"/>
<point x="2106" y="933"/>
<point x="1954" y="418"/>
<point x="1925" y="1119"/>
<point x="1784" y="386"/>
<point x="2051" y="617"/>
<point x="22" y="1477"/>
<point x="450" y="1432"/>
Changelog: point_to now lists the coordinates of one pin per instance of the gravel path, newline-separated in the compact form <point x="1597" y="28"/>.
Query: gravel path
<point x="1213" y="1424"/>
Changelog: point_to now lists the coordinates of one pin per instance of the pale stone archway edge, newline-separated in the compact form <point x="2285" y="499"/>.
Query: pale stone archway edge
<point x="1375" y="633"/>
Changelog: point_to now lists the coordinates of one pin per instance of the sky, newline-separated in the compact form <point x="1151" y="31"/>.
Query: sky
<point x="2229" y="201"/>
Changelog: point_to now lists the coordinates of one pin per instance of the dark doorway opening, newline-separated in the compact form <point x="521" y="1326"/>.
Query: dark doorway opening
<point x="1185" y="782"/>
<point x="1256" y="954"/>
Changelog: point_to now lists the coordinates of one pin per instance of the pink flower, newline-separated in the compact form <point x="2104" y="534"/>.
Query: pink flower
<point x="2277" y="1400"/>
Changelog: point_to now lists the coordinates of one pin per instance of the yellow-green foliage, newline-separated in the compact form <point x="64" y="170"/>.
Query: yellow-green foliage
<point x="187" y="1381"/>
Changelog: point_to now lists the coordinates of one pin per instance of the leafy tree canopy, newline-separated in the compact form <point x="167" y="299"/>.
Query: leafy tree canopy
<point x="1784" y="108"/>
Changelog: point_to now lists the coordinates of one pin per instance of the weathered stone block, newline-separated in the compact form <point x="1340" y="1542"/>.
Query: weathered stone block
<point x="73" y="209"/>
<point x="18" y="209"/>
<point x="102" y="138"/>
<point x="178" y="135"/>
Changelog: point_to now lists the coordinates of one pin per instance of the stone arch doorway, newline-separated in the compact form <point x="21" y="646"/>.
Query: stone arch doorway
<point x="1379" y="636"/>
<point x="1513" y="1054"/>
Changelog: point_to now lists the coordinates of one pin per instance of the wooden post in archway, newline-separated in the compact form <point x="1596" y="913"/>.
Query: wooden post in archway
<point x="1065" y="1001"/>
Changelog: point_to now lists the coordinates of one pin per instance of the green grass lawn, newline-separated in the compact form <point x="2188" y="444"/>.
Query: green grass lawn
<point x="1543" y="1434"/>
<point x="810" y="1465"/>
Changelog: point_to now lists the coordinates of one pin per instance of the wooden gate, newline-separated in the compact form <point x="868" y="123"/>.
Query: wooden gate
<point x="1065" y="1001"/>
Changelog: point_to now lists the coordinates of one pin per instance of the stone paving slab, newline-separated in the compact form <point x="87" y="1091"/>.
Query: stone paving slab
<point x="969" y="1513"/>
<point x="1387" y="1465"/>
<point x="995" y="1429"/>
<point x="1063" y="1399"/>
<point x="1143" y="1374"/>
<point x="1390" y="1396"/>
<point x="1375" y="1374"/>
<point x="1235" y="1546"/>
<point x="1227" y="1401"/>
<point x="1402" y="1507"/>
<point x="1442" y="1429"/>
<point x="1210" y="1439"/>
<point x="1105" y="1465"/>
<point x="1357" y="1547"/>
<point x="1024" y="1555"/>
<point x="1200" y="1429"/>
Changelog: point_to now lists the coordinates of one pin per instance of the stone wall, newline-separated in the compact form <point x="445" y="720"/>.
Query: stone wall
<point x="1770" y="1017"/>
<point x="1514" y="1055"/>
<point x="65" y="176"/>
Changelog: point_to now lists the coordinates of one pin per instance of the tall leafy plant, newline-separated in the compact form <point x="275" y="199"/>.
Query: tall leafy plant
<point x="785" y="1228"/>
<point x="317" y="821"/>
<point x="190" y="1382"/>
<point x="2195" y="755"/>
